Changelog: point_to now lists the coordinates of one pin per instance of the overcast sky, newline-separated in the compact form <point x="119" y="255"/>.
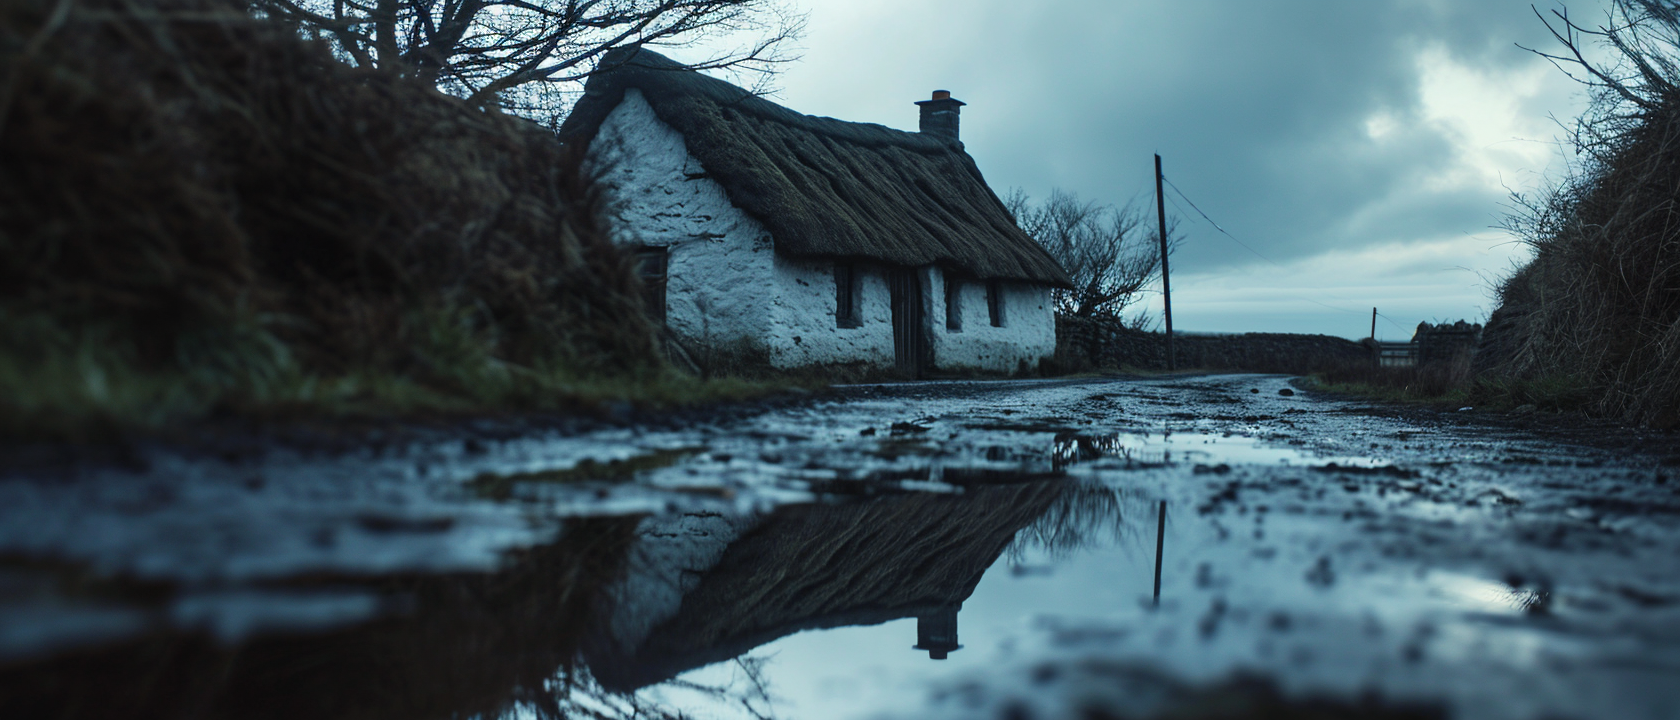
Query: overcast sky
<point x="1364" y="147"/>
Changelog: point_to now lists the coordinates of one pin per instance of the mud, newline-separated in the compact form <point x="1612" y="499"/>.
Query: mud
<point x="1202" y="547"/>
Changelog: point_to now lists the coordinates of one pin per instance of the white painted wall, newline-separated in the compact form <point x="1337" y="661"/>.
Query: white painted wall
<point x="725" y="285"/>
<point x="1028" y="332"/>
<point x="720" y="265"/>
<point x="803" y="330"/>
<point x="727" y="290"/>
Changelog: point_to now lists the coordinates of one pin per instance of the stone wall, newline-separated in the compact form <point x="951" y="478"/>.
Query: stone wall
<point x="657" y="196"/>
<point x="1026" y="336"/>
<point x="1446" y="342"/>
<point x="1087" y="343"/>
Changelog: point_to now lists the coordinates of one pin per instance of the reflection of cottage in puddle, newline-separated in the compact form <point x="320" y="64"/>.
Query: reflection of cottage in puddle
<point x="810" y="567"/>
<point x="936" y="631"/>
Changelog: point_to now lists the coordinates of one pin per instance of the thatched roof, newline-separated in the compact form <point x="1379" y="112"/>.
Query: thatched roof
<point x="822" y="566"/>
<point x="826" y="187"/>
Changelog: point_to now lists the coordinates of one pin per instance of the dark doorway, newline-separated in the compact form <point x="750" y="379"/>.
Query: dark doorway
<point x="909" y="345"/>
<point x="651" y="265"/>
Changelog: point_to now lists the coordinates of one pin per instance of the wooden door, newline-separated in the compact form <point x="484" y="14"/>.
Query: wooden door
<point x="909" y="342"/>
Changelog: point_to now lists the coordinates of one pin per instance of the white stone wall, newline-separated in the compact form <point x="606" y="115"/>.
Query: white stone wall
<point x="802" y="326"/>
<point x="1028" y="332"/>
<point x="728" y="291"/>
<point x="719" y="268"/>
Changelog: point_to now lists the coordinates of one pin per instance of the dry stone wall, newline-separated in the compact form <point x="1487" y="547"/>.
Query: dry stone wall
<point x="1090" y="343"/>
<point x="1446" y="342"/>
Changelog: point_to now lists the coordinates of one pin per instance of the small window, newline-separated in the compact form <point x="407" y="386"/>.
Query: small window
<point x="953" y="303"/>
<point x="651" y="266"/>
<point x="846" y="296"/>
<point x="994" y="301"/>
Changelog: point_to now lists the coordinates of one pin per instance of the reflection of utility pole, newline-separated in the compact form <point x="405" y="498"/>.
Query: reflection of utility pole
<point x="1166" y="287"/>
<point x="936" y="632"/>
<point x="1160" y="542"/>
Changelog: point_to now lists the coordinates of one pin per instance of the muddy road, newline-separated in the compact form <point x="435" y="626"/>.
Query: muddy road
<point x="1064" y="548"/>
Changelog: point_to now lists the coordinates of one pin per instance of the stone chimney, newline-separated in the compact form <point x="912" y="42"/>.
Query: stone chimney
<point x="936" y="630"/>
<point x="939" y="115"/>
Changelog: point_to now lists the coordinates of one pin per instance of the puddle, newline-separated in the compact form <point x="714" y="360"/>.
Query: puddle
<point x="495" y="486"/>
<point x="930" y="550"/>
<point x="1079" y="576"/>
<point x="1476" y="594"/>
<point x="1166" y="448"/>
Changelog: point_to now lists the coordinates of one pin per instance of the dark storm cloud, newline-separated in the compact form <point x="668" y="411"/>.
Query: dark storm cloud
<point x="1259" y="108"/>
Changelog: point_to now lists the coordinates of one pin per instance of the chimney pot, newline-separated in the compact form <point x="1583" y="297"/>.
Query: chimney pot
<point x="940" y="115"/>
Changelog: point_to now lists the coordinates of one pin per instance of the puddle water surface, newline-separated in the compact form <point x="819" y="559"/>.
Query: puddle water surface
<point x="915" y="551"/>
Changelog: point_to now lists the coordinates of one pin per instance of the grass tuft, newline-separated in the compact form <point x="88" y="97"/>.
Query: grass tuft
<point x="1439" y="383"/>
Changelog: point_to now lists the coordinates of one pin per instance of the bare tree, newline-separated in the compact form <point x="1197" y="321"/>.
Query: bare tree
<point x="1112" y="254"/>
<point x="1638" y="77"/>
<point x="488" y="50"/>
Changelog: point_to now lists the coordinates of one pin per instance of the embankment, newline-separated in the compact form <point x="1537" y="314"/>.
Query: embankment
<point x="1594" y="319"/>
<point x="204" y="214"/>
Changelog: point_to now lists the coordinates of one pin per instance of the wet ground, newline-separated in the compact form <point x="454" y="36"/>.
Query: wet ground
<point x="1222" y="546"/>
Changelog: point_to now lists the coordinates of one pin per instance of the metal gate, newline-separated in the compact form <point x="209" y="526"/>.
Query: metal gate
<point x="1396" y="354"/>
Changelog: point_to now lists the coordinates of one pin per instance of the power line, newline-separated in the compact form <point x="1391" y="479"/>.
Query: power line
<point x="1257" y="252"/>
<point x="1245" y="245"/>
<point x="1391" y="322"/>
<point x="1216" y="225"/>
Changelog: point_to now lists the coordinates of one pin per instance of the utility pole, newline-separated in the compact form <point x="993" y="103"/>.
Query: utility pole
<point x="1373" y="323"/>
<point x="1166" y="285"/>
<point x="1160" y="542"/>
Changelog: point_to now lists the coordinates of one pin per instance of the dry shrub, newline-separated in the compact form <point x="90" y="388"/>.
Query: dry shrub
<point x="1600" y="303"/>
<point x="176" y="170"/>
<point x="1595" y="317"/>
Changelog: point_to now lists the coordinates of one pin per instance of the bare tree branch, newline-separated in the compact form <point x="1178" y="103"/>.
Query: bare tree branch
<point x="1638" y="76"/>
<point x="1110" y="253"/>
<point x="528" y="54"/>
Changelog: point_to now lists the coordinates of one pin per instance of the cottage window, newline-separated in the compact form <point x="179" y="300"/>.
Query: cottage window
<point x="994" y="301"/>
<point x="953" y="303"/>
<point x="651" y="266"/>
<point x="846" y="296"/>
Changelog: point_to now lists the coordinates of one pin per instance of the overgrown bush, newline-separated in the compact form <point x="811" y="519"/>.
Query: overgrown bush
<point x="199" y="210"/>
<point x="1598" y="308"/>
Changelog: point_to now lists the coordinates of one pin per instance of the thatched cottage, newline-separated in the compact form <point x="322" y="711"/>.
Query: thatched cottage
<point x="807" y="240"/>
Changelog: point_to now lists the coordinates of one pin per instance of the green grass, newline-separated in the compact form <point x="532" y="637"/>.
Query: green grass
<point x="80" y="380"/>
<point x="1555" y="393"/>
<point x="1451" y="385"/>
<point x="1444" y="383"/>
<point x="1390" y="393"/>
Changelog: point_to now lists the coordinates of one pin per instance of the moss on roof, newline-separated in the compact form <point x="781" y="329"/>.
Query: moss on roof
<point x="826" y="187"/>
